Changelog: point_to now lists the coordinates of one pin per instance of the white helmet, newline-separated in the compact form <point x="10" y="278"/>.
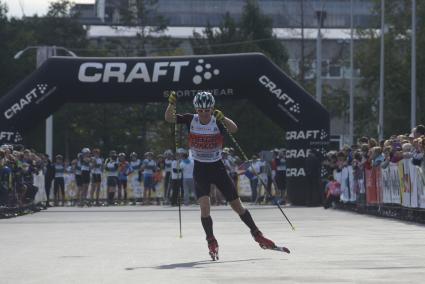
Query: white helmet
<point x="85" y="150"/>
<point x="203" y="100"/>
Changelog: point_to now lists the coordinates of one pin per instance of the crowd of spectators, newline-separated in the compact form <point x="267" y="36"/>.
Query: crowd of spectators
<point x="369" y="153"/>
<point x="168" y="171"/>
<point x="17" y="167"/>
<point x="174" y="171"/>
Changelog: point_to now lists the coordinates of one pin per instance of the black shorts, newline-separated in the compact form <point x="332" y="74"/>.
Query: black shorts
<point x="95" y="178"/>
<point x="112" y="181"/>
<point x="79" y="180"/>
<point x="85" y="177"/>
<point x="205" y="174"/>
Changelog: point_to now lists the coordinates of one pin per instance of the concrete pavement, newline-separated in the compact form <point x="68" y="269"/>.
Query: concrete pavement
<point x="129" y="244"/>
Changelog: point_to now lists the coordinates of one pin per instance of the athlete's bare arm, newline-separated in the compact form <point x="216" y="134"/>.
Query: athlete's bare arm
<point x="169" y="113"/>
<point x="230" y="125"/>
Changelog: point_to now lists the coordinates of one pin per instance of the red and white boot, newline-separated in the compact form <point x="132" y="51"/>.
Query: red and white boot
<point x="264" y="242"/>
<point x="213" y="248"/>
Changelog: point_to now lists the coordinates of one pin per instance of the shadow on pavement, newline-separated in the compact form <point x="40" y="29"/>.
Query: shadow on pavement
<point x="194" y="264"/>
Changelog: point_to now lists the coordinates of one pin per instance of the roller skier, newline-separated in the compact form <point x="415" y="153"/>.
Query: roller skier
<point x="206" y="142"/>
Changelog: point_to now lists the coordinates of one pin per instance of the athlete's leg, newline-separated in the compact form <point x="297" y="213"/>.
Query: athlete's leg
<point x="237" y="206"/>
<point x="204" y="204"/>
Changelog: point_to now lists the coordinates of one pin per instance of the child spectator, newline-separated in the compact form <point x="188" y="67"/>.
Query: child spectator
<point x="332" y="193"/>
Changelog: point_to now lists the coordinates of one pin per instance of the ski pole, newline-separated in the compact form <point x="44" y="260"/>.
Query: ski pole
<point x="254" y="171"/>
<point x="176" y="140"/>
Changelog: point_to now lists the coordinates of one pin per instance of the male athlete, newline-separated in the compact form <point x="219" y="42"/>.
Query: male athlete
<point x="206" y="142"/>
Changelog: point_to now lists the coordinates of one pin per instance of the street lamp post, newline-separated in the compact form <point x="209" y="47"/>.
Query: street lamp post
<point x="43" y="53"/>
<point x="351" y="126"/>
<point x="321" y="15"/>
<point x="413" y="66"/>
<point x="381" y="75"/>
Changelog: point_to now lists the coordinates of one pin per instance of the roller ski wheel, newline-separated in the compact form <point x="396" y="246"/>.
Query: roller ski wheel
<point x="282" y="249"/>
<point x="213" y="248"/>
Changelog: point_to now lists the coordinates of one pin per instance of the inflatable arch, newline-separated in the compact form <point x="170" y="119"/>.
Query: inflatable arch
<point x="249" y="76"/>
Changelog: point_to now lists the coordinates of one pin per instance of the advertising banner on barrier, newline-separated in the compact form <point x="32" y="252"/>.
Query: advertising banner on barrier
<point x="420" y="185"/>
<point x="400" y="173"/>
<point x="414" y="190"/>
<point x="371" y="188"/>
<point x="390" y="181"/>
<point x="402" y="183"/>
<point x="346" y="179"/>
<point x="395" y="184"/>
<point x="385" y="185"/>
<point x="407" y="197"/>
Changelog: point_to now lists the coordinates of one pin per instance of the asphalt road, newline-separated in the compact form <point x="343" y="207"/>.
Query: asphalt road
<point x="129" y="244"/>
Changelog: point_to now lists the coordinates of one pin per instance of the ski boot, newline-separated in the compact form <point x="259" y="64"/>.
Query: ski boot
<point x="263" y="241"/>
<point x="213" y="248"/>
<point x="266" y="243"/>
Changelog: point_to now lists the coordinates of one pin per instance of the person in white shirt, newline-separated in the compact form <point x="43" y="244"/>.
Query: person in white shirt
<point x="96" y="177"/>
<point x="186" y="166"/>
<point x="176" y="178"/>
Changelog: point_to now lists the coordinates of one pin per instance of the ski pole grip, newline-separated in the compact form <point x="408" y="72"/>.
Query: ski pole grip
<point x="172" y="98"/>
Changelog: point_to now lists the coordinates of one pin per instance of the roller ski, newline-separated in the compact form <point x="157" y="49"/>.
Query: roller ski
<point x="266" y="243"/>
<point x="213" y="248"/>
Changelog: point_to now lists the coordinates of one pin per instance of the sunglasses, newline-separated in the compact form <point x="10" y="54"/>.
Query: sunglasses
<point x="200" y="110"/>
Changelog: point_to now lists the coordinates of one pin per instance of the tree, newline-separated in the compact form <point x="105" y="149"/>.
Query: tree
<point x="397" y="70"/>
<point x="142" y="14"/>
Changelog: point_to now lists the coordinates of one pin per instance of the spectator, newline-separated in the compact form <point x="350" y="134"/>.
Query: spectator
<point x="252" y="172"/>
<point x="96" y="166"/>
<point x="148" y="168"/>
<point x="49" y="175"/>
<point x="419" y="131"/>
<point x="85" y="175"/>
<point x="124" y="170"/>
<point x="135" y="178"/>
<point x="187" y="170"/>
<point x="167" y="168"/>
<point x="279" y="163"/>
<point x="176" y="178"/>
<point x="332" y="193"/>
<point x="157" y="178"/>
<point x="111" y="168"/>
<point x="59" y="182"/>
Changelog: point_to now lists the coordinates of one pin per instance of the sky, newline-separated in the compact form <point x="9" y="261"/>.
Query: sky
<point x="31" y="7"/>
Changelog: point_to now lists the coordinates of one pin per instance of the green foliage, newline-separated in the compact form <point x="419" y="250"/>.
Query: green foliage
<point x="122" y="127"/>
<point x="397" y="70"/>
<point x="142" y="14"/>
<point x="256" y="131"/>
